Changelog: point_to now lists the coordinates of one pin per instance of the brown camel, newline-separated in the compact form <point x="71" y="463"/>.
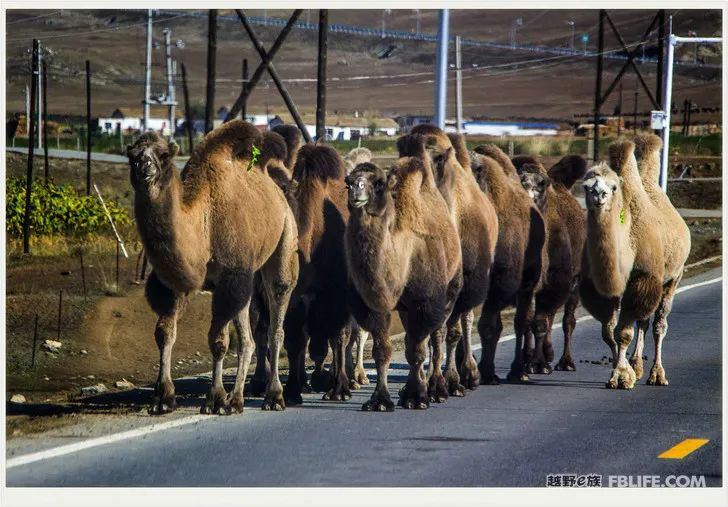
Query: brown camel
<point x="566" y="226"/>
<point x="191" y="242"/>
<point x="477" y="226"/>
<point x="517" y="267"/>
<point x="403" y="253"/>
<point x="623" y="273"/>
<point x="676" y="237"/>
<point x="293" y="139"/>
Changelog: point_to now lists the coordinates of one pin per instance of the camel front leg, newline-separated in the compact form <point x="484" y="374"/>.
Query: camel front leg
<point x="635" y="359"/>
<point x="453" y="339"/>
<point x="168" y="306"/>
<point x="378" y="325"/>
<point x="659" y="330"/>
<point x="623" y="376"/>
<point x="490" y="327"/>
<point x="437" y="386"/>
<point x="541" y="329"/>
<point x="414" y="394"/>
<point x="469" y="374"/>
<point x="259" y="319"/>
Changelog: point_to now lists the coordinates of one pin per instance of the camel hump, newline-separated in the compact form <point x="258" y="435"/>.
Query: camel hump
<point x="411" y="145"/>
<point x="648" y="143"/>
<point x="273" y="148"/>
<point x="293" y="139"/>
<point x="358" y="156"/>
<point x="520" y="160"/>
<point x="494" y="152"/>
<point x="319" y="162"/>
<point x="236" y="137"/>
<point x="620" y="152"/>
<point x="461" y="150"/>
<point x="568" y="170"/>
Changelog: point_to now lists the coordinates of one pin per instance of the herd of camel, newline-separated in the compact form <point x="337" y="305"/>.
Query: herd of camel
<point x="308" y="250"/>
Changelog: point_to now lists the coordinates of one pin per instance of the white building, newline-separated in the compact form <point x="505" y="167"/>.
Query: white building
<point x="131" y="119"/>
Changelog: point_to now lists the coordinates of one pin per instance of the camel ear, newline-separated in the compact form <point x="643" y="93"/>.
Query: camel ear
<point x="173" y="149"/>
<point x="391" y="180"/>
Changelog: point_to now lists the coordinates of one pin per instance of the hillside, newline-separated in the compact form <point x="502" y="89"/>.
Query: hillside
<point x="543" y="86"/>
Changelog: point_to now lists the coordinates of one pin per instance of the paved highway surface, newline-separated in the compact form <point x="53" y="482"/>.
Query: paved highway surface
<point x="507" y="435"/>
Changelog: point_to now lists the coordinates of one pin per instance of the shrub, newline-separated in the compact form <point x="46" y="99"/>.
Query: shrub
<point x="57" y="209"/>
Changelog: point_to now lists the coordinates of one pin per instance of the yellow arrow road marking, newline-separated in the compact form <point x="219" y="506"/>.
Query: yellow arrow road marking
<point x="684" y="448"/>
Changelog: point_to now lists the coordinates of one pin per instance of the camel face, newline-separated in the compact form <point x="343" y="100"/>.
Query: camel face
<point x="535" y="186"/>
<point x="149" y="161"/>
<point x="368" y="189"/>
<point x="600" y="188"/>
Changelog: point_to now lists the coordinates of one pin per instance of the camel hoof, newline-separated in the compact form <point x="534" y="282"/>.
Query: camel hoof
<point x="360" y="376"/>
<point x="470" y="377"/>
<point x="489" y="380"/>
<point x="530" y="369"/>
<point x="291" y="396"/>
<point x="306" y="388"/>
<point x="321" y="381"/>
<point x="623" y="377"/>
<point x="437" y="389"/>
<point x="339" y="392"/>
<point x="414" y="403"/>
<point x="273" y="402"/>
<point x="565" y="364"/>
<point x="216" y="402"/>
<point x="378" y="403"/>
<point x="163" y="405"/>
<point x="657" y="377"/>
<point x="517" y="376"/>
<point x="541" y="369"/>
<point x="638" y="367"/>
<point x="255" y="388"/>
<point x="354" y="385"/>
<point x="235" y="404"/>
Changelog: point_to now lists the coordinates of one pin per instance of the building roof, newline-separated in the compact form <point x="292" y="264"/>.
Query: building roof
<point x="344" y="121"/>
<point x="155" y="111"/>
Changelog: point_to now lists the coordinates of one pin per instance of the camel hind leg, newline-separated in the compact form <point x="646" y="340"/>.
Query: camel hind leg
<point x="635" y="359"/>
<point x="490" y="327"/>
<point x="568" y="323"/>
<point x="659" y="330"/>
<point x="355" y="367"/>
<point x="437" y="388"/>
<point x="453" y="338"/>
<point x="279" y="275"/>
<point x="168" y="307"/>
<point x="521" y="323"/>
<point x="469" y="374"/>
<point x="246" y="346"/>
<point x="231" y="296"/>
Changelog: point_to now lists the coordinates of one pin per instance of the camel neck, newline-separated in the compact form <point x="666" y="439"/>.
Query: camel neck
<point x="609" y="250"/>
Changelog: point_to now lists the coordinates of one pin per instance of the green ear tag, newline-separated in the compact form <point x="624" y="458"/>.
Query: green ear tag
<point x="621" y="216"/>
<point x="254" y="159"/>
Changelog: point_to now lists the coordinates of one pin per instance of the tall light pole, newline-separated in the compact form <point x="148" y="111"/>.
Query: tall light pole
<point x="458" y="85"/>
<point x="148" y="71"/>
<point x="514" y="30"/>
<point x="443" y="36"/>
<point x="385" y="12"/>
<point x="417" y="20"/>
<point x="571" y="24"/>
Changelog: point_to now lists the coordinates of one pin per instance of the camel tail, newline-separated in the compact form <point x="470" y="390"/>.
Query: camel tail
<point x="461" y="150"/>
<point x="648" y="146"/>
<point x="568" y="170"/>
<point x="318" y="162"/>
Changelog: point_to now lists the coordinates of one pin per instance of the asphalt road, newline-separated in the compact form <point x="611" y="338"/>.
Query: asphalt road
<point x="507" y="435"/>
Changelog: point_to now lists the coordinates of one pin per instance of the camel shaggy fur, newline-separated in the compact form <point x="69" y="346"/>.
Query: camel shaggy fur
<point x="624" y="276"/>
<point x="519" y="259"/>
<point x="566" y="233"/>
<point x="475" y="220"/>
<point x="216" y="224"/>
<point x="403" y="254"/>
<point x="676" y="237"/>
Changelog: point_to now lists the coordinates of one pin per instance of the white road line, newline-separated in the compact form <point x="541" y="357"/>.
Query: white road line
<point x="154" y="428"/>
<point x="95" y="442"/>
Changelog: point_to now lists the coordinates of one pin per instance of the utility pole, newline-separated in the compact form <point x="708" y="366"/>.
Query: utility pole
<point x="39" y="98"/>
<point x="211" y="53"/>
<point x="188" y="116"/>
<point x="689" y="104"/>
<point x="458" y="84"/>
<point x="45" y="120"/>
<point x="634" y="114"/>
<point x="31" y="144"/>
<point x="148" y="71"/>
<point x="598" y="90"/>
<point x="244" y="87"/>
<point x="443" y="21"/>
<point x="170" y="80"/>
<point x="571" y="24"/>
<point x="88" y="127"/>
<point x="27" y="109"/>
<point x="323" y="29"/>
<point x="619" y="110"/>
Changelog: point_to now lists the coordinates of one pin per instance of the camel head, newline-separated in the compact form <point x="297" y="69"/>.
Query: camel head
<point x="437" y="147"/>
<point x="370" y="189"/>
<point x="535" y="182"/>
<point x="602" y="189"/>
<point x="151" y="162"/>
